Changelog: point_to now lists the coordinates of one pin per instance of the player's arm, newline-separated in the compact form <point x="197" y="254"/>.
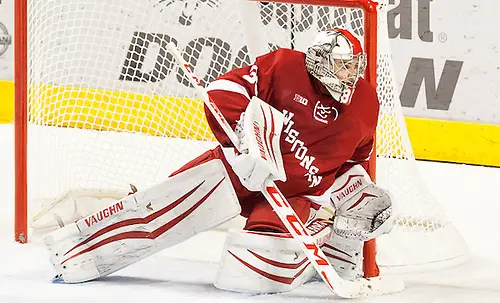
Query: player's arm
<point x="233" y="91"/>
<point x="232" y="94"/>
<point x="360" y="210"/>
<point x="368" y="120"/>
<point x="256" y="123"/>
<point x="363" y="210"/>
<point x="361" y="155"/>
<point x="259" y="157"/>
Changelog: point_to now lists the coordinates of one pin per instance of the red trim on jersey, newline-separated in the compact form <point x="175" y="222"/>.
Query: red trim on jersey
<point x="315" y="206"/>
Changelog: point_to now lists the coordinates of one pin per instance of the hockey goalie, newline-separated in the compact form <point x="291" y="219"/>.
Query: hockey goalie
<point x="306" y="121"/>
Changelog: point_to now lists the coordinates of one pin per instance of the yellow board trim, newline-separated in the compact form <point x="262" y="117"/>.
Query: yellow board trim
<point x="436" y="140"/>
<point x="452" y="141"/>
<point x="107" y="110"/>
<point x="6" y="101"/>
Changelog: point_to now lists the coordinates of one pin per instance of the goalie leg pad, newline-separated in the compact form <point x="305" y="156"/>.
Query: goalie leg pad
<point x="345" y="255"/>
<point x="72" y="206"/>
<point x="144" y="223"/>
<point x="262" y="262"/>
<point x="266" y="262"/>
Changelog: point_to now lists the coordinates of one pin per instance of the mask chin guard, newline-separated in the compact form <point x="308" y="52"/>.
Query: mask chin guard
<point x="341" y="92"/>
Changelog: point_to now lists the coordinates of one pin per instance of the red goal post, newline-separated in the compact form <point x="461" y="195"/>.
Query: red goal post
<point x="21" y="120"/>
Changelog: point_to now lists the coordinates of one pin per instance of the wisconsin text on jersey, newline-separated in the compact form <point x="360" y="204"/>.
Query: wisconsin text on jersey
<point x="300" y="150"/>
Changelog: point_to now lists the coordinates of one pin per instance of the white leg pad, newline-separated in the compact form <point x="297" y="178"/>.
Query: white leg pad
<point x="259" y="262"/>
<point x="72" y="206"/>
<point x="345" y="255"/>
<point x="265" y="262"/>
<point x="144" y="223"/>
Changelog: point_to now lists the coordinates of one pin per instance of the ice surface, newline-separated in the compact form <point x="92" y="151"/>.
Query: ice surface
<point x="184" y="273"/>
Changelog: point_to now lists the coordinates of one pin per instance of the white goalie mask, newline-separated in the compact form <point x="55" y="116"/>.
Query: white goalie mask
<point x="337" y="60"/>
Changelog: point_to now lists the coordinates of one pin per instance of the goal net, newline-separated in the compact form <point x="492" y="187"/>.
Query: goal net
<point x="107" y="106"/>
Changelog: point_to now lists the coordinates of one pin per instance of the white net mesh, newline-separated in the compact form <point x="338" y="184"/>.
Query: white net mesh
<point x="109" y="107"/>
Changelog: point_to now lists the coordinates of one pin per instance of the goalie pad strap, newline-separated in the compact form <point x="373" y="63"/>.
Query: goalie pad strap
<point x="144" y="223"/>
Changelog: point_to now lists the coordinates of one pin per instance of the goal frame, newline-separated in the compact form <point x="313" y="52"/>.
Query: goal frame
<point x="369" y="8"/>
<point x="21" y="120"/>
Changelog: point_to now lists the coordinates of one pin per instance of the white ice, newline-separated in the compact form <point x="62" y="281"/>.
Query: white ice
<point x="184" y="273"/>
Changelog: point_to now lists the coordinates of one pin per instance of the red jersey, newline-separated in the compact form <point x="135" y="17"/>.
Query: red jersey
<point x="320" y="135"/>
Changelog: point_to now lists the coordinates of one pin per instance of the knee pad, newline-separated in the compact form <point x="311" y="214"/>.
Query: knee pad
<point x="345" y="255"/>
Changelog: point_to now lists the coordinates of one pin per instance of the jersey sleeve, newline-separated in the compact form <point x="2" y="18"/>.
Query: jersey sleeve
<point x="364" y="151"/>
<point x="233" y="90"/>
<point x="368" y="117"/>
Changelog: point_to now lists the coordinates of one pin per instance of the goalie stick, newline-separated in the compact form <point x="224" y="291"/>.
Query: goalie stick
<point x="343" y="288"/>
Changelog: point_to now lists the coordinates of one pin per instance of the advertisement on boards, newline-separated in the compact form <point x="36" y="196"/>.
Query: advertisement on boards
<point x="446" y="58"/>
<point x="6" y="39"/>
<point x="445" y="55"/>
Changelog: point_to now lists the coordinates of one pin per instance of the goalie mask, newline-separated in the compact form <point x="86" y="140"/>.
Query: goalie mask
<point x="337" y="60"/>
